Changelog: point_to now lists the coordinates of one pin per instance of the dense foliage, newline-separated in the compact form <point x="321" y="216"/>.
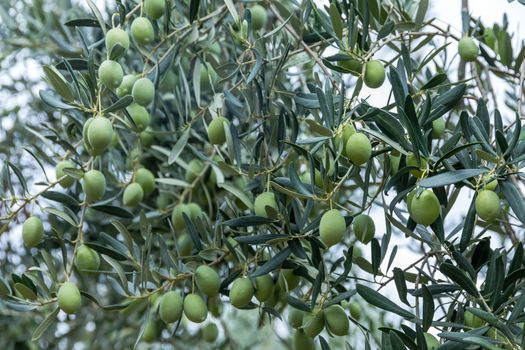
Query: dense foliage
<point x="281" y="174"/>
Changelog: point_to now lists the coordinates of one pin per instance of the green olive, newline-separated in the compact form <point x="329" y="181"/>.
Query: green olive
<point x="154" y="8"/>
<point x="100" y="134"/>
<point x="170" y="307"/>
<point x="295" y="318"/>
<point x="264" y="287"/>
<point x="117" y="36"/>
<point x="68" y="297"/>
<point x="68" y="181"/>
<point x="127" y="85"/>
<point x="110" y="74"/>
<point x="355" y="310"/>
<point x="145" y="179"/>
<point x="313" y="323"/>
<point x="150" y="331"/>
<point x="195" y="308"/>
<point x="176" y="215"/>
<point x="133" y="195"/>
<point x="147" y="137"/>
<point x="207" y="280"/>
<point x="364" y="228"/>
<point x="259" y="16"/>
<point x="472" y="320"/>
<point x="425" y="208"/>
<point x="32" y="231"/>
<point x="263" y="200"/>
<point x="288" y="280"/>
<point x="438" y="128"/>
<point x="336" y="320"/>
<point x="210" y="332"/>
<point x="195" y="210"/>
<point x="195" y="167"/>
<point x="142" y="31"/>
<point x="332" y="227"/>
<point x="140" y="116"/>
<point x="87" y="259"/>
<point x="374" y="74"/>
<point x="358" y="148"/>
<point x="487" y="205"/>
<point x="216" y="131"/>
<point x="94" y="185"/>
<point x="185" y="244"/>
<point x="301" y="341"/>
<point x="143" y="91"/>
<point x="241" y="292"/>
<point x="412" y="161"/>
<point x="468" y="50"/>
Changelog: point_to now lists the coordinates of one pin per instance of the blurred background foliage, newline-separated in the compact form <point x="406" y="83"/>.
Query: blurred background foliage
<point x="288" y="90"/>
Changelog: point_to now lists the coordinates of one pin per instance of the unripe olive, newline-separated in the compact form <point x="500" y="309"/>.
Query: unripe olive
<point x="87" y="259"/>
<point x="336" y="320"/>
<point x="195" y="210"/>
<point x="215" y="306"/>
<point x="374" y="74"/>
<point x="262" y="201"/>
<point x="147" y="137"/>
<point x="487" y="205"/>
<point x="114" y="139"/>
<point x="195" y="308"/>
<point x="68" y="297"/>
<point x="208" y="78"/>
<point x="142" y="31"/>
<point x="412" y="161"/>
<point x="313" y="323"/>
<point x="491" y="186"/>
<point x="185" y="244"/>
<point x="110" y="74"/>
<point x="176" y="215"/>
<point x="241" y="292"/>
<point x="32" y="231"/>
<point x="207" y="280"/>
<point x="170" y="308"/>
<point x="127" y="85"/>
<point x="295" y="318"/>
<point x="468" y="50"/>
<point x="438" y="128"/>
<point x="145" y="179"/>
<point x="94" y="185"/>
<point x="150" y="331"/>
<point x="100" y="133"/>
<point x="68" y="181"/>
<point x="210" y="332"/>
<point x="332" y="227"/>
<point x="216" y="132"/>
<point x="424" y="209"/>
<point x="264" y="287"/>
<point x="355" y="310"/>
<point x="259" y="16"/>
<point x="432" y="342"/>
<point x="140" y="116"/>
<point x="472" y="320"/>
<point x="133" y="195"/>
<point x="287" y="280"/>
<point x="358" y="148"/>
<point x="143" y="91"/>
<point x="394" y="159"/>
<point x="301" y="341"/>
<point x="364" y="228"/>
<point x="195" y="167"/>
<point x="117" y="36"/>
<point x="168" y="81"/>
<point x="154" y="8"/>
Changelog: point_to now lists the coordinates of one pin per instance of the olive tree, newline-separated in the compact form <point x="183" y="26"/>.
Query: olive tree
<point x="219" y="174"/>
